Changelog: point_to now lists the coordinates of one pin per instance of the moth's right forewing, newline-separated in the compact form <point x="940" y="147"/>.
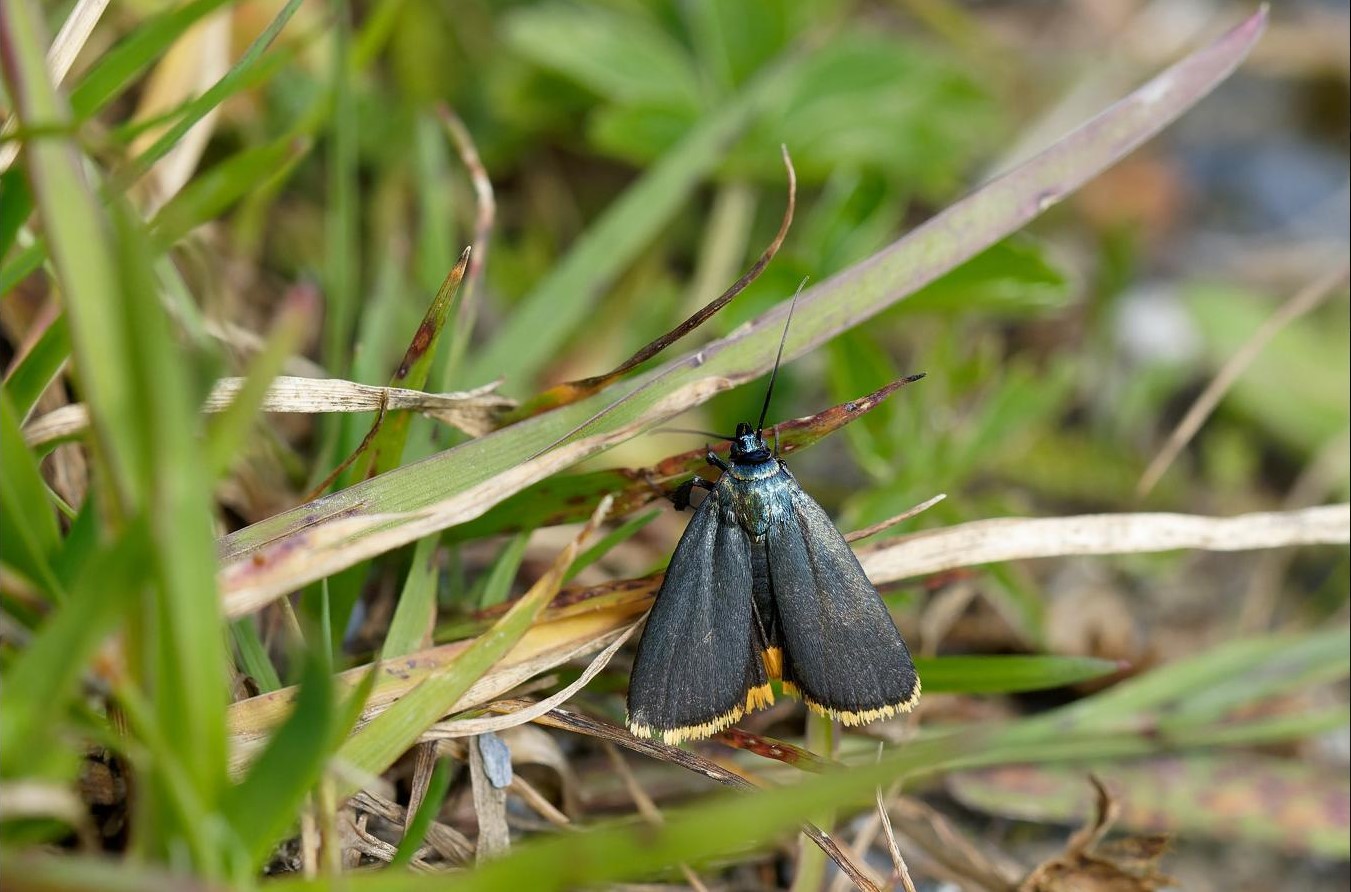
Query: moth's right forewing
<point x="842" y="650"/>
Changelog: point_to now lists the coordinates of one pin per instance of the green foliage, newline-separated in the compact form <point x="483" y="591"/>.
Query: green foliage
<point x="607" y="127"/>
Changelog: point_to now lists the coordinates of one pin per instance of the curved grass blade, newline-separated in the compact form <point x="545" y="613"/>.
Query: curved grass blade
<point x="318" y="539"/>
<point x="572" y="391"/>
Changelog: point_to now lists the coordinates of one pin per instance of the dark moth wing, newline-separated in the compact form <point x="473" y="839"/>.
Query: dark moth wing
<point x="842" y="650"/>
<point x="696" y="671"/>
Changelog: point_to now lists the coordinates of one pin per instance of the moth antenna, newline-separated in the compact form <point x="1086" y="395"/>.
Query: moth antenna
<point x="783" y="339"/>
<point x="686" y="430"/>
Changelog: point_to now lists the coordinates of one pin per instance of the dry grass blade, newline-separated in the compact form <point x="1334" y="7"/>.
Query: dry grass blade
<point x="339" y="537"/>
<point x="1005" y="539"/>
<point x="646" y="807"/>
<point x="376" y="426"/>
<point x="545" y="646"/>
<point x="74" y="33"/>
<point x="890" y="522"/>
<point x="470" y="727"/>
<point x="1010" y="538"/>
<point x="484" y="216"/>
<point x="424" y="763"/>
<point x="1302" y="302"/>
<point x="572" y="391"/>
<point x="778" y="750"/>
<point x="449" y="843"/>
<point x="472" y="411"/>
<point x="949" y="851"/>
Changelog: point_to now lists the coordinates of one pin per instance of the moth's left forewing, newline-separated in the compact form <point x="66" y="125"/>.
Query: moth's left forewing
<point x="842" y="650"/>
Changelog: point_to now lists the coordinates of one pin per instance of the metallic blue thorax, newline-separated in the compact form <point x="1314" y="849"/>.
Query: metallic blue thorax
<point x="757" y="487"/>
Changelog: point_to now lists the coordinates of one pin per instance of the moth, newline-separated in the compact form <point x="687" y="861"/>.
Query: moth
<point x="762" y="586"/>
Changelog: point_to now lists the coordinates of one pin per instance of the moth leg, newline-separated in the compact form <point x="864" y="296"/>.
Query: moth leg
<point x="714" y="459"/>
<point x="681" y="497"/>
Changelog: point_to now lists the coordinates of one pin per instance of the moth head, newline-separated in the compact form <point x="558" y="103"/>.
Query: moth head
<point x="748" y="445"/>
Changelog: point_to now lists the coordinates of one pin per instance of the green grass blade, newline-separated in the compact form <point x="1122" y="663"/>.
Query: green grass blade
<point x="375" y="747"/>
<point x="210" y="193"/>
<point x="619" y="534"/>
<point x="264" y="804"/>
<point x="234" y="80"/>
<point x="44" y="678"/>
<point x="32" y="538"/>
<point x="118" y="68"/>
<point x="227" y="430"/>
<point x="386" y="448"/>
<point x="1007" y="674"/>
<point x="16" y="204"/>
<point x="39" y="367"/>
<point x="560" y="304"/>
<point x="416" y="608"/>
<point x="497" y="584"/>
<point x="186" y="647"/>
<point x="437" y="788"/>
<point x="80" y="244"/>
<point x="253" y="657"/>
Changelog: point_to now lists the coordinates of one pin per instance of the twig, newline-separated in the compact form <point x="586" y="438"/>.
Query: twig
<point x="356" y="453"/>
<point x="893" y="521"/>
<point x="572" y="391"/>
<point x="1302" y="302"/>
<point x="897" y="859"/>
<point x="646" y="807"/>
<point x="485" y="215"/>
<point x="538" y="803"/>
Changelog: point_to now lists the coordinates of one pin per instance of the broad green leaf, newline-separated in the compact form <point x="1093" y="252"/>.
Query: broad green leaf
<point x="623" y="56"/>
